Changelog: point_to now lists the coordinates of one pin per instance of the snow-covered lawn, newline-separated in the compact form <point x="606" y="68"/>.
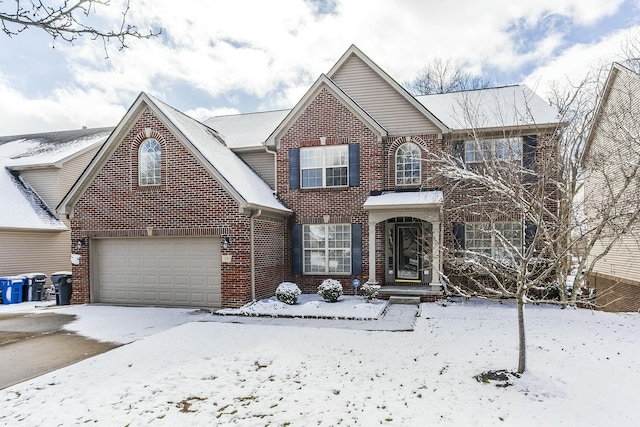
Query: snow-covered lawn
<point x="583" y="371"/>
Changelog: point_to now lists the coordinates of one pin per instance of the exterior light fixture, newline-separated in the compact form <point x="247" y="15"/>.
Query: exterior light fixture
<point x="80" y="243"/>
<point x="226" y="242"/>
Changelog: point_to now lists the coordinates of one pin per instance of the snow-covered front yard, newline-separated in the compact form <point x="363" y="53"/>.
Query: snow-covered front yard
<point x="582" y="371"/>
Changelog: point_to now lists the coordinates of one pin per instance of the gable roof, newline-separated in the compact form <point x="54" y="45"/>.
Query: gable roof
<point x="50" y="149"/>
<point x="630" y="67"/>
<point x="22" y="208"/>
<point x="499" y="107"/>
<point x="245" y="131"/>
<point x="354" y="51"/>
<point x="235" y="176"/>
<point x="324" y="82"/>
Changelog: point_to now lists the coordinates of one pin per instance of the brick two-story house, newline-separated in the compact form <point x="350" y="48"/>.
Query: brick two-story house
<point x="176" y="212"/>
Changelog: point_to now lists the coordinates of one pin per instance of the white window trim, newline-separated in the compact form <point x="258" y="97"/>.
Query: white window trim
<point x="419" y="178"/>
<point x="326" y="250"/>
<point x="323" y="149"/>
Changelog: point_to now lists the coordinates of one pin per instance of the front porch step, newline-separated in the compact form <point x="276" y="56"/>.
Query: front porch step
<point x="404" y="300"/>
<point x="410" y="291"/>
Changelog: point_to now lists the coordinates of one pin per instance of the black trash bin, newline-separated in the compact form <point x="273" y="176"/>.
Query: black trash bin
<point x="62" y="284"/>
<point x="33" y="286"/>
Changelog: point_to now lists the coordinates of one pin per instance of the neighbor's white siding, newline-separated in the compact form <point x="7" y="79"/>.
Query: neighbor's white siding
<point x="34" y="252"/>
<point x="613" y="153"/>
<point x="72" y="169"/>
<point x="380" y="100"/>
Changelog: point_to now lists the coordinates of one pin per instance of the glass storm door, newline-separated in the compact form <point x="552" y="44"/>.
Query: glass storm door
<point x="408" y="252"/>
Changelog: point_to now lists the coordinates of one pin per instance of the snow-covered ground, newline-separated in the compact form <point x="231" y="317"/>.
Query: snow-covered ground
<point x="582" y="371"/>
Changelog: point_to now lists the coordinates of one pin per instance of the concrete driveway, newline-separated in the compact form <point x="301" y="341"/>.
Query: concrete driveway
<point x="34" y="344"/>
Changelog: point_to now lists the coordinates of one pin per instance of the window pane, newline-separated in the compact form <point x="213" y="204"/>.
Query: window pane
<point x="337" y="177"/>
<point x="408" y="164"/>
<point x="311" y="178"/>
<point x="339" y="261"/>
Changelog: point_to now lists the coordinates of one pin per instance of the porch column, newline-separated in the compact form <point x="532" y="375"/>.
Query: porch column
<point x="372" y="254"/>
<point x="435" y="254"/>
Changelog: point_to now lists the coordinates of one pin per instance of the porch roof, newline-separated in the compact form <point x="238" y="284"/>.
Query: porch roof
<point x="415" y="199"/>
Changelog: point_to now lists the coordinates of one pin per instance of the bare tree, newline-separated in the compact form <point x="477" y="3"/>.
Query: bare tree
<point x="563" y="232"/>
<point x="442" y="76"/>
<point x="67" y="20"/>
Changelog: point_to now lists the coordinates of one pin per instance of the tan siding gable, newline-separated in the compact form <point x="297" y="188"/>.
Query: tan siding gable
<point x="380" y="100"/>
<point x="72" y="169"/>
<point x="263" y="164"/>
<point x="46" y="182"/>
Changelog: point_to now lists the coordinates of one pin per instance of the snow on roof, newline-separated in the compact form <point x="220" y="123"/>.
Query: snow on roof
<point x="22" y="207"/>
<point x="413" y="198"/>
<point x="48" y="148"/>
<point x="246" y="130"/>
<point x="237" y="173"/>
<point x="490" y="108"/>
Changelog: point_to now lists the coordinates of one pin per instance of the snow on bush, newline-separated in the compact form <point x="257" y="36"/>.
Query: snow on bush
<point x="369" y="291"/>
<point x="288" y="293"/>
<point x="330" y="290"/>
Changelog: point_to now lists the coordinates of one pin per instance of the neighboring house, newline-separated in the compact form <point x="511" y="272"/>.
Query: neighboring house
<point x="36" y="171"/>
<point x="612" y="190"/>
<point x="176" y="212"/>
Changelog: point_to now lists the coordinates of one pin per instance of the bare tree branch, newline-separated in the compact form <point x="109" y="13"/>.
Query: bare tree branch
<point x="68" y="21"/>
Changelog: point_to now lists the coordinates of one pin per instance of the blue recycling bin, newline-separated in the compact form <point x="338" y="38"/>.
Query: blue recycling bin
<point x="11" y="289"/>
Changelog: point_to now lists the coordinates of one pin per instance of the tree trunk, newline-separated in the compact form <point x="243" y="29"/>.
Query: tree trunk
<point x="522" y="353"/>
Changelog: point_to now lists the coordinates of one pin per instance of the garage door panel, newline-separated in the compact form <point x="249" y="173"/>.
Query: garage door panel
<point x="158" y="271"/>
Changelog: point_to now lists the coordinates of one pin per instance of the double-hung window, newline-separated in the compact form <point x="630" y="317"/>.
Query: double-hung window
<point x="493" y="239"/>
<point x="326" y="248"/>
<point x="507" y="150"/>
<point x="149" y="163"/>
<point x="326" y="166"/>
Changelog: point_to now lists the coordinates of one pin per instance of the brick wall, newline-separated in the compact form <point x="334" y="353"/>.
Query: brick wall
<point x="269" y="256"/>
<point x="189" y="202"/>
<point x="615" y="294"/>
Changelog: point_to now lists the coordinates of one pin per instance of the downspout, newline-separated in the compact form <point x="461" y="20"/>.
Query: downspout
<point x="254" y="215"/>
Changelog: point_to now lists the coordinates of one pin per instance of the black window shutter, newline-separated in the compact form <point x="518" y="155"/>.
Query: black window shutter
<point x="529" y="145"/>
<point x="458" y="151"/>
<point x="530" y="230"/>
<point x="296" y="251"/>
<point x="356" y="249"/>
<point x="294" y="169"/>
<point x="354" y="165"/>
<point x="458" y="236"/>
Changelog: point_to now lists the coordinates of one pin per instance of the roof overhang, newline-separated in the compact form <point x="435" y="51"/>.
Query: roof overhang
<point x="424" y="205"/>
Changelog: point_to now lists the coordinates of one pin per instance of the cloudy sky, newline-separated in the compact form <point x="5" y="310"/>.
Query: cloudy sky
<point x="220" y="57"/>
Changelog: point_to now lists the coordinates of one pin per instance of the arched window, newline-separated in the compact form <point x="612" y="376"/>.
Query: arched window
<point x="408" y="165"/>
<point x="149" y="163"/>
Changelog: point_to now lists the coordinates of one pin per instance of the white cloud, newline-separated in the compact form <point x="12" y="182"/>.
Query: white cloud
<point x="273" y="53"/>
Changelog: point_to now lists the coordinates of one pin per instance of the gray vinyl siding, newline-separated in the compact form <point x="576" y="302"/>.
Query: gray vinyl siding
<point x="263" y="163"/>
<point x="72" y="169"/>
<point x="380" y="100"/>
<point x="608" y="141"/>
<point x="46" y="182"/>
<point x="34" y="252"/>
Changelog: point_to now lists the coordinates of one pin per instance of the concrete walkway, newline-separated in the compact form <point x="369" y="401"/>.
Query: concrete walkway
<point x="395" y="318"/>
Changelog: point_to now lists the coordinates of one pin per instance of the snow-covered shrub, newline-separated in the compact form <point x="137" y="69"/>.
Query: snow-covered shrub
<point x="369" y="291"/>
<point x="330" y="290"/>
<point x="288" y="293"/>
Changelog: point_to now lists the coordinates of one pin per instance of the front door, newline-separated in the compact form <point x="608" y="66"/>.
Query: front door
<point x="408" y="254"/>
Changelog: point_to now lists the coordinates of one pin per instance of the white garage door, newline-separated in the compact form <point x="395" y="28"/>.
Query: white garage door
<point x="157" y="271"/>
